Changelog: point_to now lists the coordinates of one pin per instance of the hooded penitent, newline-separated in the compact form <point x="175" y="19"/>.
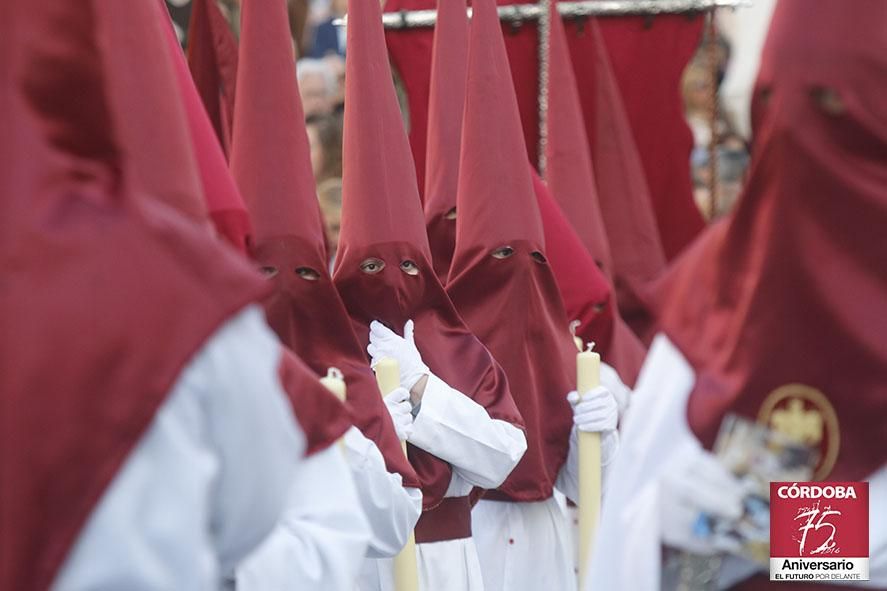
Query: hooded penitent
<point x="447" y="99"/>
<point x="271" y="163"/>
<point x="212" y="59"/>
<point x="500" y="279"/>
<point x="383" y="268"/>
<point x="780" y="309"/>
<point x="225" y="205"/>
<point x="82" y="375"/>
<point x="570" y="177"/>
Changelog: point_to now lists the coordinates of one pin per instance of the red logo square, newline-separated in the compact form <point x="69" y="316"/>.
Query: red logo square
<point x="819" y="519"/>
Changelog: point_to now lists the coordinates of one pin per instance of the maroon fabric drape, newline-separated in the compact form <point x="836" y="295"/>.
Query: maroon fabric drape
<point x="648" y="59"/>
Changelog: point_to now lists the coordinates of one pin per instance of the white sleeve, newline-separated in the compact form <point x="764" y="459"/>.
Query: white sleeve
<point x="627" y="550"/>
<point x="390" y="509"/>
<point x="568" y="477"/>
<point x="179" y="511"/>
<point x="321" y="539"/>
<point x="455" y="428"/>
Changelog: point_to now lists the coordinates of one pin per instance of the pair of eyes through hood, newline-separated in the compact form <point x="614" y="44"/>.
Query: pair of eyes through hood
<point x="373" y="265"/>
<point x="504" y="252"/>
<point x="306" y="273"/>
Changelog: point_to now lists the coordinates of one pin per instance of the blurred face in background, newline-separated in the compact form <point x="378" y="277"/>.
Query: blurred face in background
<point x="315" y="94"/>
<point x="329" y="194"/>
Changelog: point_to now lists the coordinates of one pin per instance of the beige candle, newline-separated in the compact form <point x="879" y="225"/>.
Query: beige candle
<point x="406" y="572"/>
<point x="588" y="376"/>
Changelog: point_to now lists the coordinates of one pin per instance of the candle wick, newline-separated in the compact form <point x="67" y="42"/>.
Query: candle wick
<point x="590" y="345"/>
<point x="335" y="373"/>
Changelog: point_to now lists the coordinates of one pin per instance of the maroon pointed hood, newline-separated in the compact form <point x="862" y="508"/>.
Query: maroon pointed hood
<point x="212" y="59"/>
<point x="226" y="208"/>
<point x="568" y="167"/>
<point x="499" y="269"/>
<point x="383" y="267"/>
<point x="271" y="162"/>
<point x="449" y="64"/>
<point x="149" y="115"/>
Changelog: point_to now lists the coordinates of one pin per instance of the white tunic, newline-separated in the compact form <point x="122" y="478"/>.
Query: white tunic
<point x="482" y="452"/>
<point x="180" y="513"/>
<point x="627" y="552"/>
<point x="390" y="509"/>
<point x="531" y="546"/>
<point x="321" y="537"/>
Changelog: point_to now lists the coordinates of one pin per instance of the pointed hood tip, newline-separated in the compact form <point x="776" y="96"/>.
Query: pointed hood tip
<point x="380" y="196"/>
<point x="270" y="156"/>
<point x="496" y="202"/>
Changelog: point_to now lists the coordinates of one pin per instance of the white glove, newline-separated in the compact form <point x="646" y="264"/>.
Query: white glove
<point x="400" y="409"/>
<point x="386" y="343"/>
<point x="696" y="494"/>
<point x="596" y="412"/>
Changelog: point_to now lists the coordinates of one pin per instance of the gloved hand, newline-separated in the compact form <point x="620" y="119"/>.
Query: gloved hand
<point x="596" y="412"/>
<point x="386" y="343"/>
<point x="696" y="496"/>
<point x="398" y="403"/>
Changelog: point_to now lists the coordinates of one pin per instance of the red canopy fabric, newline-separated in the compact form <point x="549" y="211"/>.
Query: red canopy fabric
<point x="212" y="58"/>
<point x="127" y="288"/>
<point x="500" y="281"/>
<point x="271" y="161"/>
<point x="383" y="268"/>
<point x="779" y="309"/>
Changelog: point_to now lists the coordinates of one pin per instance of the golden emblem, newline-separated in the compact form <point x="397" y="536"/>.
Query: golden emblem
<point x="804" y="414"/>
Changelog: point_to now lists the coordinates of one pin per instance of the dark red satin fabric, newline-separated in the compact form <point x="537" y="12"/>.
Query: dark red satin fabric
<point x="212" y="59"/>
<point x="568" y="167"/>
<point x="271" y="162"/>
<point x="447" y="99"/>
<point x="624" y="193"/>
<point x="148" y="113"/>
<point x="585" y="291"/>
<point x="382" y="218"/>
<point x="648" y="58"/>
<point x="791" y="288"/>
<point x="226" y="208"/>
<point x="512" y="304"/>
<point x="106" y="294"/>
